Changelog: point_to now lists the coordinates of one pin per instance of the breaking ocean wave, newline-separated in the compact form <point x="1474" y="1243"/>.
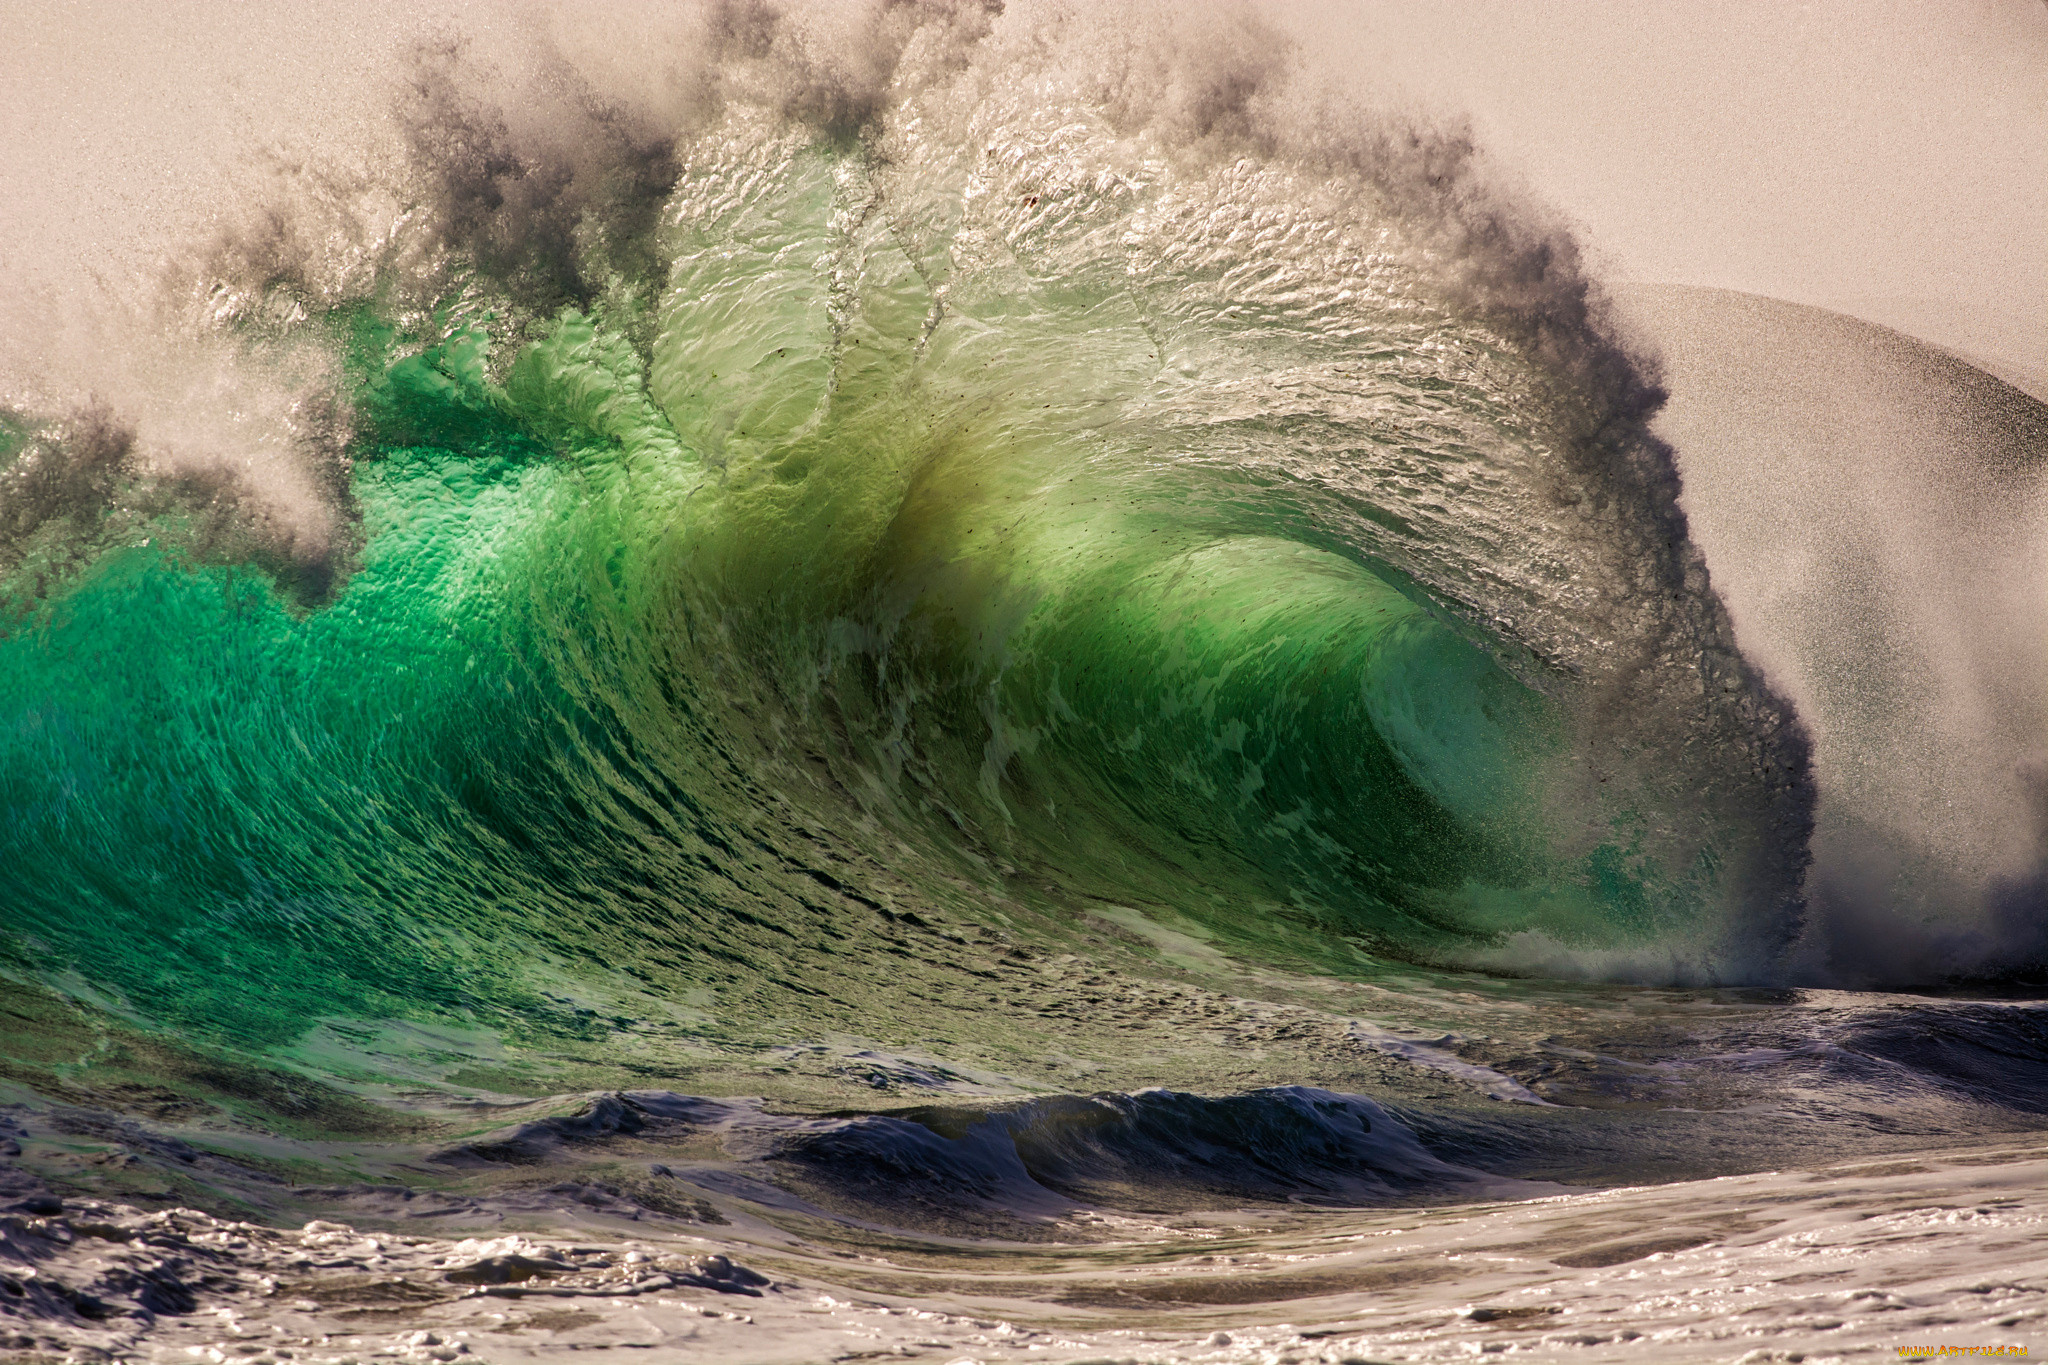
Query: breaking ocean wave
<point x="932" y="634"/>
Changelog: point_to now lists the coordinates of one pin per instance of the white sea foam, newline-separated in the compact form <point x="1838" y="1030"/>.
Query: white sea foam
<point x="1836" y="1264"/>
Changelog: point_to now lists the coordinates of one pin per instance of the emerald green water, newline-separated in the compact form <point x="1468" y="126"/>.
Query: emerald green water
<point x="970" y="524"/>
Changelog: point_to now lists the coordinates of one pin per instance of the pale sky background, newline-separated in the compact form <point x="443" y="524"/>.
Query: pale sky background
<point x="1888" y="157"/>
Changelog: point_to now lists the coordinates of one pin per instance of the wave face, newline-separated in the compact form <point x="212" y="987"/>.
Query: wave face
<point x="957" y="471"/>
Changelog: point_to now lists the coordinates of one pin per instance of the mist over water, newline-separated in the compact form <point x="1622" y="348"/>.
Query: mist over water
<point x="1887" y="576"/>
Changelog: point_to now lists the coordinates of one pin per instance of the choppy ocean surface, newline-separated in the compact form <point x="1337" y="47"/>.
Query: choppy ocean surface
<point x="1002" y="685"/>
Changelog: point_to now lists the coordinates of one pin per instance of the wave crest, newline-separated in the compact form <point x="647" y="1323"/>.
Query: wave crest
<point x="975" y="469"/>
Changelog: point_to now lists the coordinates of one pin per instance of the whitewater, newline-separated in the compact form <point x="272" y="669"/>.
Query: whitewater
<point x="986" y="683"/>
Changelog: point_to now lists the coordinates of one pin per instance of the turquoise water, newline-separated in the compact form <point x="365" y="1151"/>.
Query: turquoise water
<point x="802" y="537"/>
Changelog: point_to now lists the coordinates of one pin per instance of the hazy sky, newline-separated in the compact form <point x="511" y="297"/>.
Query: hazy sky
<point x="1831" y="152"/>
<point x="1828" y="152"/>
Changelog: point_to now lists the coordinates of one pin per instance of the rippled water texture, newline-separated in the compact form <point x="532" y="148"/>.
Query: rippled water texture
<point x="999" y="506"/>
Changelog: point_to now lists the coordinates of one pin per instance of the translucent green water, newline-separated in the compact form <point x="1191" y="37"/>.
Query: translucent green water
<point x="985" y="519"/>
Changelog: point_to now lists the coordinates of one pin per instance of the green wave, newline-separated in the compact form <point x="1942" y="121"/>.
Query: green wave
<point x="906" y="547"/>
